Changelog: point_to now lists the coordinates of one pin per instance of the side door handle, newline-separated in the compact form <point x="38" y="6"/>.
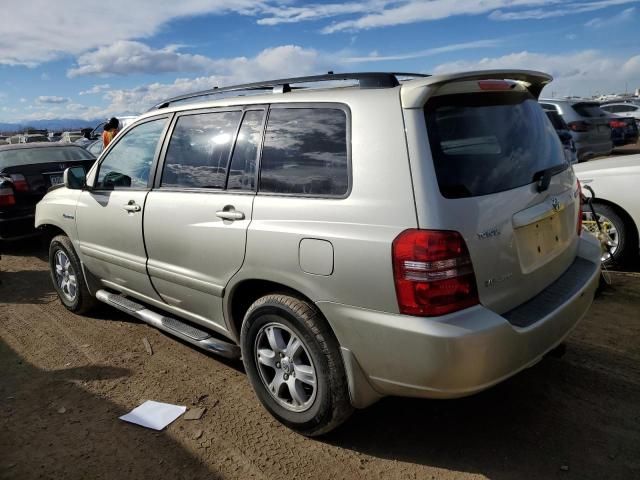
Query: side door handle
<point x="132" y="207"/>
<point x="230" y="213"/>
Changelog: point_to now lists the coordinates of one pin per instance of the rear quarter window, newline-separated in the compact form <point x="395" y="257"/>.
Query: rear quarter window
<point x="484" y="143"/>
<point x="305" y="152"/>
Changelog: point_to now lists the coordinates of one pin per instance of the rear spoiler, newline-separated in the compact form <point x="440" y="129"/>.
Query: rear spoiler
<point x="415" y="93"/>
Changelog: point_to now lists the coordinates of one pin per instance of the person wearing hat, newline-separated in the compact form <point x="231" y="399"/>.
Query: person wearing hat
<point x="111" y="129"/>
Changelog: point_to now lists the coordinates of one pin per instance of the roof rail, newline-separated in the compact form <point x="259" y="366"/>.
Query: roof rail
<point x="365" y="80"/>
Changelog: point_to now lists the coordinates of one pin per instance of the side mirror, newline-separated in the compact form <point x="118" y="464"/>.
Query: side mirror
<point x="74" y="178"/>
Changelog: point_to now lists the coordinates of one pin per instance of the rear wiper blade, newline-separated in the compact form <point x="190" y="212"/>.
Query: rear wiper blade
<point x="543" y="177"/>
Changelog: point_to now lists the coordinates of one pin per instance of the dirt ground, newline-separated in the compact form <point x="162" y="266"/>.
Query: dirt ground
<point x="65" y="379"/>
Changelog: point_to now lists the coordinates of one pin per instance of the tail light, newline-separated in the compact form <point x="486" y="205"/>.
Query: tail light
<point x="617" y="124"/>
<point x="7" y="197"/>
<point x="579" y="227"/>
<point x="433" y="273"/>
<point x="19" y="182"/>
<point x="578" y="126"/>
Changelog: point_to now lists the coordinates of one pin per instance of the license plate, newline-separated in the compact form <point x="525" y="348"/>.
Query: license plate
<point x="55" y="179"/>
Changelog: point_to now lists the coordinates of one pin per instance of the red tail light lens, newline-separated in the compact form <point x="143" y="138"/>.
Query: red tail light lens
<point x="617" y="124"/>
<point x="19" y="182"/>
<point x="579" y="126"/>
<point x="6" y="197"/>
<point x="433" y="273"/>
<point x="579" y="227"/>
<point x="495" y="85"/>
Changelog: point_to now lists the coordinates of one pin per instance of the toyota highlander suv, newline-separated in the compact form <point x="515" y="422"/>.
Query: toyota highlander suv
<point x="349" y="236"/>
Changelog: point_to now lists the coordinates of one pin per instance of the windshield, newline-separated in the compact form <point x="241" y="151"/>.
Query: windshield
<point x="484" y="143"/>
<point x="31" y="156"/>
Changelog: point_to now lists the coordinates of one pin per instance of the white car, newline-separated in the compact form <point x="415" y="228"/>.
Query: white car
<point x="626" y="109"/>
<point x="614" y="181"/>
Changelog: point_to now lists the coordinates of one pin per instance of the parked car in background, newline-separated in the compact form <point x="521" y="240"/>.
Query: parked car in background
<point x="274" y="227"/>
<point x="615" y="181"/>
<point x="70" y="137"/>
<point x="26" y="172"/>
<point x="95" y="147"/>
<point x="33" y="138"/>
<point x="626" y="109"/>
<point x="564" y="134"/>
<point x="4" y="139"/>
<point x="624" y="130"/>
<point x="589" y="125"/>
<point x="55" y="136"/>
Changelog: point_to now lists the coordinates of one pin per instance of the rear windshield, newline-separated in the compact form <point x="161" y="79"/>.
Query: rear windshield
<point x="490" y="142"/>
<point x="588" y="110"/>
<point x="31" y="156"/>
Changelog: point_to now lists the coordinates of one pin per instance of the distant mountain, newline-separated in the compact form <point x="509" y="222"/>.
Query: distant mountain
<point x="56" y="125"/>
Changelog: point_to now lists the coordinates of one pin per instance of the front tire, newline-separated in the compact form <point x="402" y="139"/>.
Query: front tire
<point x="622" y="234"/>
<point x="67" y="276"/>
<point x="294" y="364"/>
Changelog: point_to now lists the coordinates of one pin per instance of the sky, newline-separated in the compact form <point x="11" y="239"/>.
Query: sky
<point x="91" y="60"/>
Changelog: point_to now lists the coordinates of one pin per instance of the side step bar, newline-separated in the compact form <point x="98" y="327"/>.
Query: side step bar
<point x="178" y="328"/>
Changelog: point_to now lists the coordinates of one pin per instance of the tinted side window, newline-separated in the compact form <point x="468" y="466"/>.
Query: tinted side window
<point x="199" y="150"/>
<point x="305" y="152"/>
<point x="626" y="108"/>
<point x="128" y="163"/>
<point x="242" y="173"/>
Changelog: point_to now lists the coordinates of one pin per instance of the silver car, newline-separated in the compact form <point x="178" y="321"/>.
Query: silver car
<point x="349" y="236"/>
<point x="589" y="125"/>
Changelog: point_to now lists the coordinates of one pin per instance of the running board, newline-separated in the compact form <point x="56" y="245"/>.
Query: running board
<point x="178" y="328"/>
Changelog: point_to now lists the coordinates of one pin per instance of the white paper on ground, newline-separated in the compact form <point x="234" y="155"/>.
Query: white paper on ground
<point x="154" y="415"/>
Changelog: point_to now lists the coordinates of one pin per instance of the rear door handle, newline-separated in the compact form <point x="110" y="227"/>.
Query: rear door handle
<point x="229" y="213"/>
<point x="132" y="206"/>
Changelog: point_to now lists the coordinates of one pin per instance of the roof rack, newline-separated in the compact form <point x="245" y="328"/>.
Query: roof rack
<point x="365" y="80"/>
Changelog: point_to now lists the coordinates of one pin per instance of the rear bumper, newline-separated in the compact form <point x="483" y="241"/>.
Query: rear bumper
<point x="17" y="226"/>
<point x="467" y="351"/>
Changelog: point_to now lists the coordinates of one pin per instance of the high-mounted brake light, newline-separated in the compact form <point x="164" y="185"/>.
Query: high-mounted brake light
<point x="19" y="182"/>
<point x="495" y="85"/>
<point x="433" y="273"/>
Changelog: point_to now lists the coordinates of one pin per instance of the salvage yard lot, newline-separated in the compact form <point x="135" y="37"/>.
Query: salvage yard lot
<point x="65" y="380"/>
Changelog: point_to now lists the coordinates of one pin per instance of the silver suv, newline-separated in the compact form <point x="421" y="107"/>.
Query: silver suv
<point x="417" y="238"/>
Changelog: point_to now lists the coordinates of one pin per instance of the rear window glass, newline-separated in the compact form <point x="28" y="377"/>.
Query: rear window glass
<point x="32" y="156"/>
<point x="588" y="110"/>
<point x="305" y="152"/>
<point x="490" y="142"/>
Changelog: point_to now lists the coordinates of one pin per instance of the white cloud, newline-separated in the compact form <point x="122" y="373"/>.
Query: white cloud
<point x="69" y="27"/>
<point x="96" y="89"/>
<point x="456" y="47"/>
<point x="278" y="62"/>
<point x="622" y="17"/>
<point x="580" y="73"/>
<point x="126" y="58"/>
<point x="564" y="9"/>
<point x="46" y="99"/>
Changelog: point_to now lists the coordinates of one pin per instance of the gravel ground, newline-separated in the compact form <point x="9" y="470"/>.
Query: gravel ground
<point x="65" y="379"/>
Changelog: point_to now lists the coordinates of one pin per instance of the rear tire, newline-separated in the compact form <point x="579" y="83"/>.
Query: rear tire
<point x="272" y="327"/>
<point x="67" y="276"/>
